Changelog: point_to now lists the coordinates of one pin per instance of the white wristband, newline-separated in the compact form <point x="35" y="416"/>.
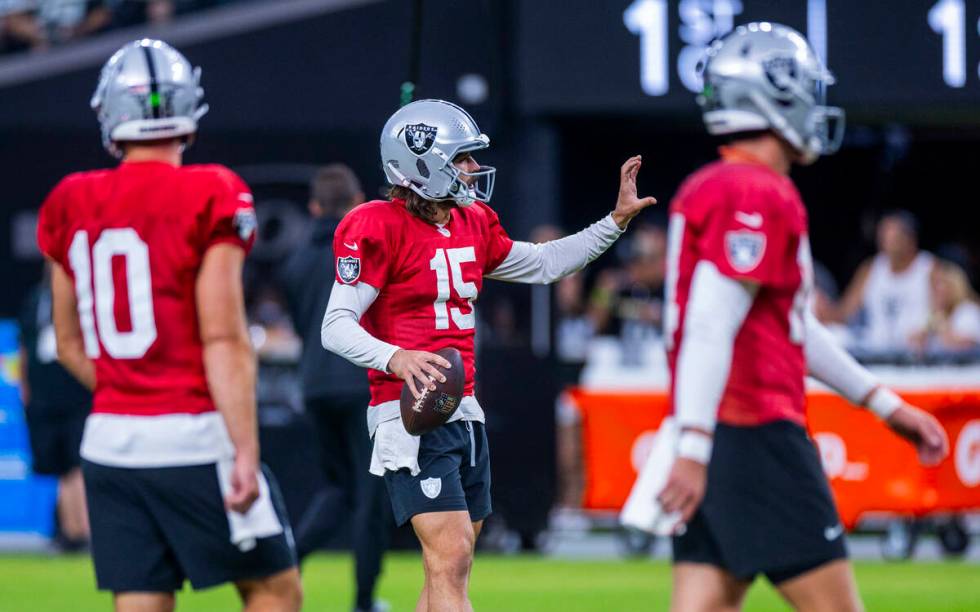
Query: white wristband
<point x="884" y="402"/>
<point x="695" y="445"/>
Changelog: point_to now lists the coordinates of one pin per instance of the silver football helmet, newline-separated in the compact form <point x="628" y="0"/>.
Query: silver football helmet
<point x="763" y="76"/>
<point x="147" y="91"/>
<point x="419" y="143"/>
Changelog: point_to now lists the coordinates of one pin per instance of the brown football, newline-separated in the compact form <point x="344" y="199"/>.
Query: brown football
<point x="420" y="416"/>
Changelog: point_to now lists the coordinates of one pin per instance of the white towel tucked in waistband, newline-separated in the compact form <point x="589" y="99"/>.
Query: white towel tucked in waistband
<point x="261" y="520"/>
<point x="394" y="449"/>
<point x="642" y="510"/>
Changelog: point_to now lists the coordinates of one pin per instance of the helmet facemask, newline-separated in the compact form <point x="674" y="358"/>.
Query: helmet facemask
<point x="420" y="144"/>
<point x="468" y="187"/>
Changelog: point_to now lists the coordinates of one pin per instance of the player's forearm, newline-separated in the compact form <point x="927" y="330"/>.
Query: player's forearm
<point x="556" y="259"/>
<point x="230" y="367"/>
<point x="341" y="331"/>
<point x="69" y="338"/>
<point x="343" y="335"/>
<point x="705" y="355"/>
<point x="829" y="363"/>
<point x="71" y="355"/>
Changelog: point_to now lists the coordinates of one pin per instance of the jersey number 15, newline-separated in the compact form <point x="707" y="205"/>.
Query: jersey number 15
<point x="444" y="261"/>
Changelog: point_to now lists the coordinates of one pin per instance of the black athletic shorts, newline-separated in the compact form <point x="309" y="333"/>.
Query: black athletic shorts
<point x="767" y="508"/>
<point x="152" y="528"/>
<point x="56" y="436"/>
<point x="455" y="464"/>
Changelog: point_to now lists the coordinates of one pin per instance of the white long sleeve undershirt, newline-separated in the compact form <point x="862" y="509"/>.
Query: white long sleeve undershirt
<point x="716" y="307"/>
<point x="829" y="363"/>
<point x="341" y="330"/>
<point x="550" y="261"/>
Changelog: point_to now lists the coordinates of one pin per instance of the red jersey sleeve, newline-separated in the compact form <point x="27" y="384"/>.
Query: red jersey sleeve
<point x="361" y="248"/>
<point x="498" y="243"/>
<point x="230" y="217"/>
<point x="51" y="223"/>
<point x="748" y="234"/>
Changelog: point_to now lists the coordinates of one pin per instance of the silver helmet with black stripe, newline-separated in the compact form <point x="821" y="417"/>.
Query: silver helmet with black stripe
<point x="147" y="91"/>
<point x="766" y="76"/>
<point x="419" y="143"/>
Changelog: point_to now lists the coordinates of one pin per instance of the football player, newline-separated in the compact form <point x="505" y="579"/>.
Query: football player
<point x="148" y="312"/>
<point x="408" y="272"/>
<point x="748" y="480"/>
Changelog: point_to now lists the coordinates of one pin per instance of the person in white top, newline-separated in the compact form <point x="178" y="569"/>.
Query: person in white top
<point x="892" y="288"/>
<point x="954" y="323"/>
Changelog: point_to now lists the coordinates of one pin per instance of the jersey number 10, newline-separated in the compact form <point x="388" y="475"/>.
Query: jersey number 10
<point x="93" y="269"/>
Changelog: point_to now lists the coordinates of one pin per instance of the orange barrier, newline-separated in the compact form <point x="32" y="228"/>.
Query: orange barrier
<point x="870" y="469"/>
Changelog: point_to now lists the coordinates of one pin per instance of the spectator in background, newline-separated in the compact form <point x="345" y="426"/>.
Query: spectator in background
<point x="574" y="331"/>
<point x="336" y="396"/>
<point x="630" y="302"/>
<point x="134" y="12"/>
<point x="954" y="323"/>
<point x="825" y="293"/>
<point x="40" y="24"/>
<point x="66" y="20"/>
<point x="20" y="28"/>
<point x="892" y="288"/>
<point x="56" y="406"/>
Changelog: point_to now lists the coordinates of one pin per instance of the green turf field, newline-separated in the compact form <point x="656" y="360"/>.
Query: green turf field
<point x="42" y="584"/>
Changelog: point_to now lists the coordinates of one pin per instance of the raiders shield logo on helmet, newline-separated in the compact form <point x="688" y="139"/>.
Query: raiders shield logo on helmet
<point x="781" y="71"/>
<point x="419" y="137"/>
<point x="348" y="268"/>
<point x="745" y="249"/>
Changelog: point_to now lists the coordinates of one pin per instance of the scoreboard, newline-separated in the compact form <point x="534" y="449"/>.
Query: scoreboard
<point x="894" y="59"/>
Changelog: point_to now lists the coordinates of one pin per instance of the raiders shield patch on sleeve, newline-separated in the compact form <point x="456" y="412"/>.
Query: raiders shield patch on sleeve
<point x="245" y="223"/>
<point x="349" y="269"/>
<point x="745" y="249"/>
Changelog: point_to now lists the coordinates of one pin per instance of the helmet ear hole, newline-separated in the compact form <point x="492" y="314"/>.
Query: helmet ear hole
<point x="422" y="168"/>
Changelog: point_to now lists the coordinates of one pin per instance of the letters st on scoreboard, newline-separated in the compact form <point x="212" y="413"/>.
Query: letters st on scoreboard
<point x="642" y="55"/>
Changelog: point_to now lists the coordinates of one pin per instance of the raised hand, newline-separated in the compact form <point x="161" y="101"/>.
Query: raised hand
<point x="629" y="204"/>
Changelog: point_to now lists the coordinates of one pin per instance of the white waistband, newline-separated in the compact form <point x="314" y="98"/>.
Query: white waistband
<point x="156" y="441"/>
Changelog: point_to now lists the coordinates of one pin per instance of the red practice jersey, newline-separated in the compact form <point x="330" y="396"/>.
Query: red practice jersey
<point x="427" y="277"/>
<point x="133" y="239"/>
<point x="749" y="221"/>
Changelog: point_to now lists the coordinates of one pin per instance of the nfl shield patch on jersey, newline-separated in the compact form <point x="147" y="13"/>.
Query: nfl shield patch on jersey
<point x="349" y="268"/>
<point x="431" y="487"/>
<point x="745" y="249"/>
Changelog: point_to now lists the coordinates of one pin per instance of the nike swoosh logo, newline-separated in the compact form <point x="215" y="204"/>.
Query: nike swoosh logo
<point x="352" y="247"/>
<point x="753" y="220"/>
<point x="832" y="533"/>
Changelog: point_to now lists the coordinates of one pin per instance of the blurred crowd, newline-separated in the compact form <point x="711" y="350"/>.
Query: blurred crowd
<point x="903" y="304"/>
<point x="38" y="25"/>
